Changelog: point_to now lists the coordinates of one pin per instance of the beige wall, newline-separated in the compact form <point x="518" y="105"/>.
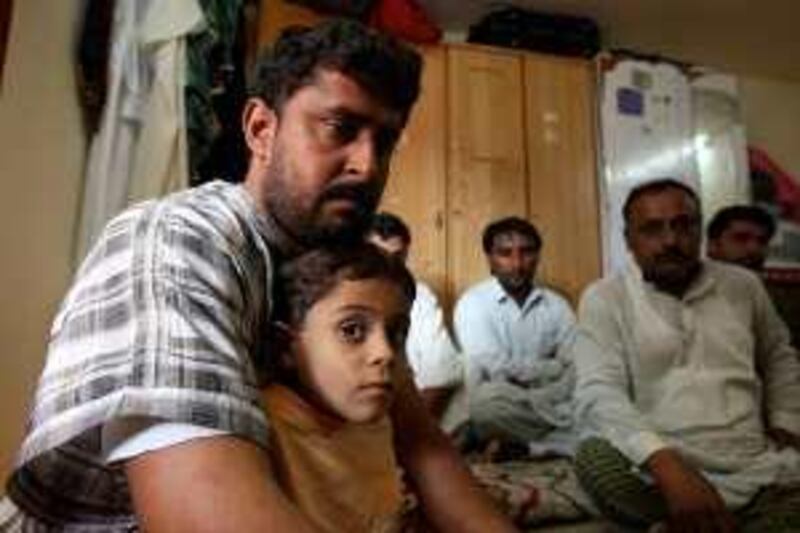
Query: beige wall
<point x="41" y="151"/>
<point x="772" y="117"/>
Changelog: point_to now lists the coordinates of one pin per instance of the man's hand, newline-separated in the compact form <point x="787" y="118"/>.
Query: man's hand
<point x="784" y="438"/>
<point x="436" y="400"/>
<point x="694" y="504"/>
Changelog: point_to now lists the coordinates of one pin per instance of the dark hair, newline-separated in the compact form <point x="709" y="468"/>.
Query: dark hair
<point x="388" y="225"/>
<point x="654" y="187"/>
<point x="747" y="213"/>
<point x="510" y="225"/>
<point x="307" y="279"/>
<point x="385" y="68"/>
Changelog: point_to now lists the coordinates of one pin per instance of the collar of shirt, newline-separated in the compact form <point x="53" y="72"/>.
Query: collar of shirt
<point x="501" y="296"/>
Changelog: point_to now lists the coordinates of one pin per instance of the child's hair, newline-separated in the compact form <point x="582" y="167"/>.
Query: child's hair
<point x="307" y="279"/>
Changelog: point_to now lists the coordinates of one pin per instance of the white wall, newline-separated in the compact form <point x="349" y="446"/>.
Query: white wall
<point x="41" y="153"/>
<point x="772" y="116"/>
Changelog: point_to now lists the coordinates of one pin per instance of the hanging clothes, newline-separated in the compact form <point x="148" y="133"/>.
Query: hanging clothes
<point x="92" y="51"/>
<point x="216" y="93"/>
<point x="140" y="149"/>
<point x="160" y="164"/>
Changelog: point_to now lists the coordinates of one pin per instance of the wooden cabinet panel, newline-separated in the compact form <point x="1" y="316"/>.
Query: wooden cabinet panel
<point x="560" y="134"/>
<point x="486" y="155"/>
<point x="417" y="186"/>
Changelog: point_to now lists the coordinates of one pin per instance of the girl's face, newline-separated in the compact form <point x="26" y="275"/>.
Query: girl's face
<point x="347" y="348"/>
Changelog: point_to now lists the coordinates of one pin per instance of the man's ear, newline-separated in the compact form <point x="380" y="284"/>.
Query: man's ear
<point x="259" y="124"/>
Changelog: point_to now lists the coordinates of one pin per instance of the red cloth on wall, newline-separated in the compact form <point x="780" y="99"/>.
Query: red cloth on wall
<point x="406" y="20"/>
<point x="785" y="187"/>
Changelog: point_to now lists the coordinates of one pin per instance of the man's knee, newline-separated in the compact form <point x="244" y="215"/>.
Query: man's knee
<point x="595" y="451"/>
<point x="607" y="476"/>
<point x="775" y="509"/>
<point x="488" y="406"/>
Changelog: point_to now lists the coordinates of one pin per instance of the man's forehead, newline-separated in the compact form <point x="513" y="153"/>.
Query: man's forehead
<point x="745" y="226"/>
<point x="664" y="204"/>
<point x="512" y="238"/>
<point x="334" y="90"/>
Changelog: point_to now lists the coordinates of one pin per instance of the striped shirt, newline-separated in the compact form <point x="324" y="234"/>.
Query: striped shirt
<point x="165" y="320"/>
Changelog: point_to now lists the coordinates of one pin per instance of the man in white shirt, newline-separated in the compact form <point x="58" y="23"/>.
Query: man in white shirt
<point x="510" y="331"/>
<point x="438" y="369"/>
<point x="687" y="384"/>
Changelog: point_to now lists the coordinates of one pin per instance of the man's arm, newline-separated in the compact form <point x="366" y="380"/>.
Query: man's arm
<point x="779" y="367"/>
<point x="603" y="406"/>
<point x="216" y="485"/>
<point x="436" y="400"/>
<point x="452" y="499"/>
<point x="483" y="355"/>
<point x="225" y="484"/>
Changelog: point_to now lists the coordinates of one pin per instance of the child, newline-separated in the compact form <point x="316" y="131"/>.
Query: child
<point x="341" y="324"/>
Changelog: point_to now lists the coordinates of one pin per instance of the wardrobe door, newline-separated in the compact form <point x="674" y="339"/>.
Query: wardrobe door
<point x="486" y="154"/>
<point x="416" y="189"/>
<point x="563" y="186"/>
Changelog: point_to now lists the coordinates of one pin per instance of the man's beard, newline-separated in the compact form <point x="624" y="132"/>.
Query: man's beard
<point x="352" y="228"/>
<point x="671" y="270"/>
<point x="513" y="284"/>
<point x="310" y="225"/>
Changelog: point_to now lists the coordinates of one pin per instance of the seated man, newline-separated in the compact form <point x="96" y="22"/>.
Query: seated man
<point x="686" y="383"/>
<point x="510" y="330"/>
<point x="740" y="234"/>
<point x="438" y="369"/>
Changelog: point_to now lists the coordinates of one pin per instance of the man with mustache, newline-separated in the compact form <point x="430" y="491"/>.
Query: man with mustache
<point x="740" y="234"/>
<point x="147" y="415"/>
<point x="510" y="331"/>
<point x="688" y="390"/>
